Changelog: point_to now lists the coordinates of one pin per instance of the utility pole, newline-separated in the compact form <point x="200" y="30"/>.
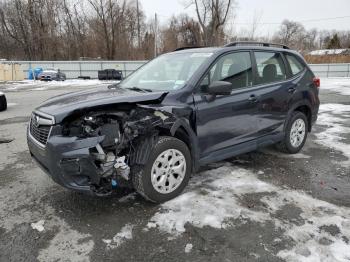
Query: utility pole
<point x="155" y="34"/>
<point x="138" y="24"/>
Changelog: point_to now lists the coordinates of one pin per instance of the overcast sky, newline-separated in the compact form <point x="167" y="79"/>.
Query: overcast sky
<point x="268" y="11"/>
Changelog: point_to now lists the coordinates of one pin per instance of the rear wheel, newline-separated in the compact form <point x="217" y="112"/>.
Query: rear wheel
<point x="167" y="171"/>
<point x="295" y="135"/>
<point x="3" y="103"/>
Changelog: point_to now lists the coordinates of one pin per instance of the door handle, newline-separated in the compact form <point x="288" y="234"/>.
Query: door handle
<point x="253" y="99"/>
<point x="292" y="89"/>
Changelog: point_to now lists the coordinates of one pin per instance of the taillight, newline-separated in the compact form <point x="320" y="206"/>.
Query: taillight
<point x="317" y="82"/>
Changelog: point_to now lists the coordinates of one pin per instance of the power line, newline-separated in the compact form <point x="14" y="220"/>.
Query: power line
<point x="301" y="21"/>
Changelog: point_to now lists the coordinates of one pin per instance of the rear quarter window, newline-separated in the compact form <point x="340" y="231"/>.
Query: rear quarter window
<point x="295" y="65"/>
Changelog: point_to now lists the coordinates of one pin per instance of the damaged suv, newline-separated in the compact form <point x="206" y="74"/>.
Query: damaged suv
<point x="178" y="112"/>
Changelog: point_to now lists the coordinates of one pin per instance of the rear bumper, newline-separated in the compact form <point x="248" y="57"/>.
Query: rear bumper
<point x="67" y="160"/>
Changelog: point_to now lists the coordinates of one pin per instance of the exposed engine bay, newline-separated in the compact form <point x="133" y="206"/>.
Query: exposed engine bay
<point x="128" y="137"/>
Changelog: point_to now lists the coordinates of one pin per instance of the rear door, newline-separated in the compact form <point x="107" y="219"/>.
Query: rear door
<point x="226" y="120"/>
<point x="273" y="91"/>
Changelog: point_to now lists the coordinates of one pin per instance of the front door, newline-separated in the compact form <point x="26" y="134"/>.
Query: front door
<point x="226" y="120"/>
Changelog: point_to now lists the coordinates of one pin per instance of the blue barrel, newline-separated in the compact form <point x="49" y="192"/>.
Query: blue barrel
<point x="30" y="74"/>
<point x="37" y="71"/>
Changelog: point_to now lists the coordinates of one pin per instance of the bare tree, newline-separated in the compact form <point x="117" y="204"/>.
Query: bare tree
<point x="255" y="25"/>
<point x="181" y="31"/>
<point x="212" y="16"/>
<point x="118" y="29"/>
<point x="290" y="33"/>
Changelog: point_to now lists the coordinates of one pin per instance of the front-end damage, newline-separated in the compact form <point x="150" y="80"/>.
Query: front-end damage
<point x="110" y="145"/>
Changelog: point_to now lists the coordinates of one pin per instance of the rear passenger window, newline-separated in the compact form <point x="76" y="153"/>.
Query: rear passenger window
<point x="270" y="67"/>
<point x="295" y="65"/>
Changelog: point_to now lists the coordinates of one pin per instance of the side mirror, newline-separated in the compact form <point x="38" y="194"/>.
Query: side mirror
<point x="220" y="88"/>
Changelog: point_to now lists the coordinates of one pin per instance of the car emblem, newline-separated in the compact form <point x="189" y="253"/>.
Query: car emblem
<point x="36" y="121"/>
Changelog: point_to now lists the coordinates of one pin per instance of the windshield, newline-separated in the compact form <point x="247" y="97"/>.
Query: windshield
<point x="167" y="72"/>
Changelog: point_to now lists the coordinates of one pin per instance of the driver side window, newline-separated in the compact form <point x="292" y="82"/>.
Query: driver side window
<point x="235" y="68"/>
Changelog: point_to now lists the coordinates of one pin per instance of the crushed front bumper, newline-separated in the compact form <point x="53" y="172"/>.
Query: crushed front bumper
<point x="67" y="160"/>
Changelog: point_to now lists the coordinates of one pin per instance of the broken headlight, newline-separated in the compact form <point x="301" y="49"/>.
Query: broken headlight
<point x="92" y="126"/>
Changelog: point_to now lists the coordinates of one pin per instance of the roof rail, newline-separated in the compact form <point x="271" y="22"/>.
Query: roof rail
<point x="187" y="47"/>
<point x="250" y="43"/>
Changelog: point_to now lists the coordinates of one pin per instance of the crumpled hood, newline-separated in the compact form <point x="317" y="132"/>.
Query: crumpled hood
<point x="63" y="105"/>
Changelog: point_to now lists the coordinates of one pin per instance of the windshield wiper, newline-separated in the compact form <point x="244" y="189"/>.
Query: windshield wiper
<point x="138" y="89"/>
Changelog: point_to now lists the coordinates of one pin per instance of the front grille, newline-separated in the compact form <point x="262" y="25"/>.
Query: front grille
<point x="39" y="132"/>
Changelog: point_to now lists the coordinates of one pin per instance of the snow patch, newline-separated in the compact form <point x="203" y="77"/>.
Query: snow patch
<point x="34" y="85"/>
<point x="124" y="235"/>
<point x="212" y="202"/>
<point x="312" y="243"/>
<point x="338" y="85"/>
<point x="38" y="225"/>
<point x="188" y="248"/>
<point x="127" y="198"/>
<point x="270" y="151"/>
<point x="214" y="198"/>
<point x="67" y="244"/>
<point x="329" y="51"/>
<point x="335" y="117"/>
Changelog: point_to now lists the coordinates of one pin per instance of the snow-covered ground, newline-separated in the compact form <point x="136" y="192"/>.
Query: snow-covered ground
<point x="124" y="235"/>
<point x="338" y="85"/>
<point x="32" y="85"/>
<point x="316" y="231"/>
<point x="214" y="198"/>
<point x="328" y="52"/>
<point x="335" y="119"/>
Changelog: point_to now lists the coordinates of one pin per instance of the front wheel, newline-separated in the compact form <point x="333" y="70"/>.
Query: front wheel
<point x="295" y="135"/>
<point x="167" y="171"/>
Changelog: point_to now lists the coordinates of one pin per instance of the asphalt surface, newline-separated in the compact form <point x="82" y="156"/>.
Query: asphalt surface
<point x="41" y="221"/>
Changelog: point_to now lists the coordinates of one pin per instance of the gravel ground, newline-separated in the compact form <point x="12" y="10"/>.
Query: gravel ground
<point x="262" y="206"/>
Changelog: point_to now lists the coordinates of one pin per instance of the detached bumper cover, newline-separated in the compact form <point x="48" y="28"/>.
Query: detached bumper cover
<point x="67" y="160"/>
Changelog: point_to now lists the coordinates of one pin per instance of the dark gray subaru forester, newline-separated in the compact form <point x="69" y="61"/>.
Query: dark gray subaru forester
<point x="178" y="112"/>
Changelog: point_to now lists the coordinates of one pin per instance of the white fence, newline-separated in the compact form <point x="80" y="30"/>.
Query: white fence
<point x="73" y="69"/>
<point x="331" y="70"/>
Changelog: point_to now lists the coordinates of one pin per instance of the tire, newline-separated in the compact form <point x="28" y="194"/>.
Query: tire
<point x="142" y="179"/>
<point x="3" y="103"/>
<point x="287" y="145"/>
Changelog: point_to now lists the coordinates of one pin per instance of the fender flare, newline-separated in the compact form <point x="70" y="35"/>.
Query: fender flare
<point x="303" y="102"/>
<point x="194" y="149"/>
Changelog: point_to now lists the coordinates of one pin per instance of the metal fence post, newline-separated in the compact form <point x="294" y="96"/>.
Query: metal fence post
<point x="12" y="70"/>
<point x="348" y="70"/>
<point x="124" y="65"/>
<point x="80" y="68"/>
<point x="327" y="70"/>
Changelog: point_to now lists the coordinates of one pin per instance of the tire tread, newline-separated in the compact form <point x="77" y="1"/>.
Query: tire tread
<point x="283" y="146"/>
<point x="139" y="170"/>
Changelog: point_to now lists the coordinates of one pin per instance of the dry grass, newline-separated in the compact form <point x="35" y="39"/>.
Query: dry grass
<point x="327" y="59"/>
